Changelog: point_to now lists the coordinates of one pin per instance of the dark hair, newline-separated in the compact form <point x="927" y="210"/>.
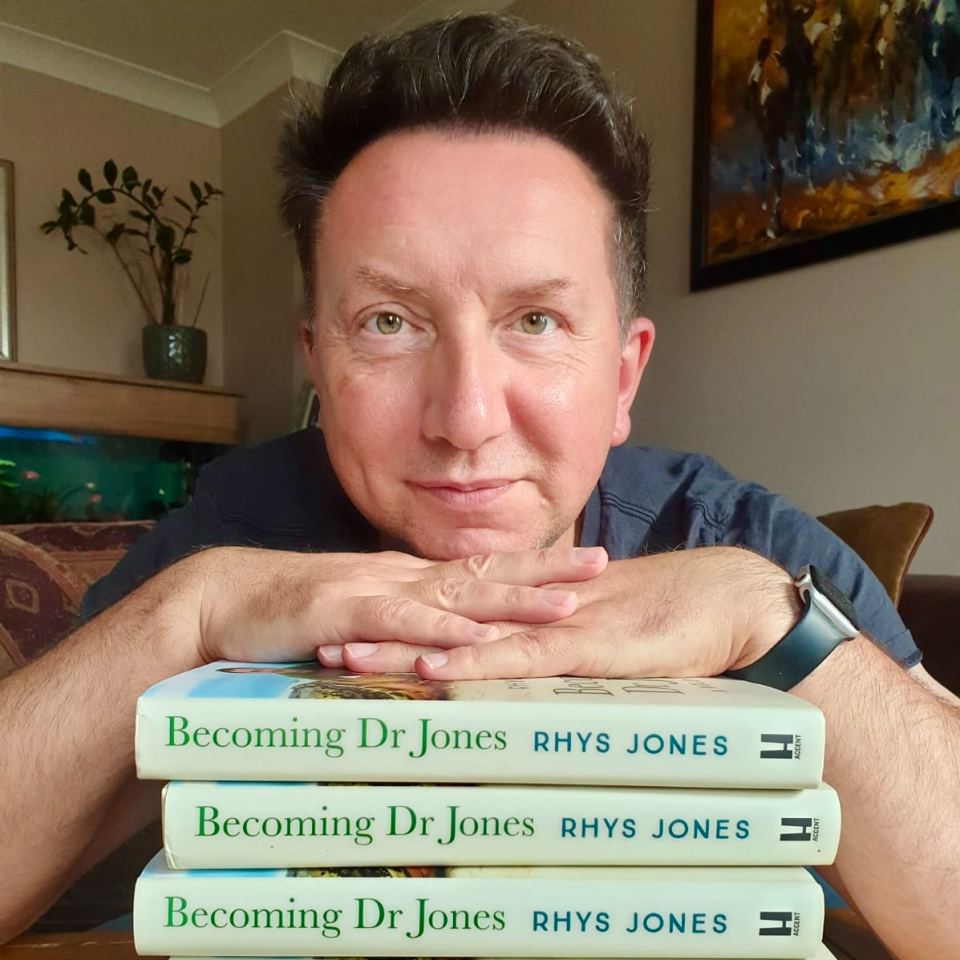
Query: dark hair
<point x="473" y="74"/>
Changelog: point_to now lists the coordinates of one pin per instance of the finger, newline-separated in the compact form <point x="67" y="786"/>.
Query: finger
<point x="379" y="618"/>
<point x="528" y="567"/>
<point x="546" y="652"/>
<point x="387" y="657"/>
<point x="330" y="655"/>
<point x="482" y="601"/>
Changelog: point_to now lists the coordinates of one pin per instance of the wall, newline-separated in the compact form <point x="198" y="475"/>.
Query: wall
<point x="80" y="312"/>
<point x="836" y="384"/>
<point x="259" y="263"/>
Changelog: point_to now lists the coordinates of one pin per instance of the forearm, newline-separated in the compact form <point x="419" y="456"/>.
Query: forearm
<point x="67" y="745"/>
<point x="893" y="755"/>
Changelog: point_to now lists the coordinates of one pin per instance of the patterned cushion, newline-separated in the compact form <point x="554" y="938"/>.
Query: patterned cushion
<point x="90" y="550"/>
<point x="39" y="599"/>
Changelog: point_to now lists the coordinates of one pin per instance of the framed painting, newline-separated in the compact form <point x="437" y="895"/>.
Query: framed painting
<point x="823" y="127"/>
<point x="8" y="333"/>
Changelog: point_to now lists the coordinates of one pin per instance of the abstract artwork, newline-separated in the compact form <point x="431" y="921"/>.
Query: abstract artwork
<point x="823" y="127"/>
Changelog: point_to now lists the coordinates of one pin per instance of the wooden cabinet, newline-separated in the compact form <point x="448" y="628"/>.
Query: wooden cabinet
<point x="98" y="403"/>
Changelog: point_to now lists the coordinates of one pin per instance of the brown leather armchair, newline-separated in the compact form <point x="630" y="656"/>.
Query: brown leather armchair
<point x="930" y="607"/>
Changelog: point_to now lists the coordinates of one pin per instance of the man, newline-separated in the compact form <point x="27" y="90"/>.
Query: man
<point x="468" y="204"/>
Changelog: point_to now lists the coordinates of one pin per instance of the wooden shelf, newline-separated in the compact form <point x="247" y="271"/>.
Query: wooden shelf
<point x="69" y="400"/>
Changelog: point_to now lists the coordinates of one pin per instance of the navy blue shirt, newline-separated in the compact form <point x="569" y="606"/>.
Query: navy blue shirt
<point x="283" y="495"/>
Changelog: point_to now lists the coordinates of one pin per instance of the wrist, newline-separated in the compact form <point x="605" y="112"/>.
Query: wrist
<point x="771" y="608"/>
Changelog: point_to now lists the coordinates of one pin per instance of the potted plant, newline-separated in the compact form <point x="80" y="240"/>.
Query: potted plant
<point x="153" y="248"/>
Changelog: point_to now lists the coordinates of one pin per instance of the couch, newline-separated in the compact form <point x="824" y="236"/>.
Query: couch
<point x="44" y="569"/>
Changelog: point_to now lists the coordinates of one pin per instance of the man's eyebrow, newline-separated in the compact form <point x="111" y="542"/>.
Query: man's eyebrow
<point x="529" y="291"/>
<point x="385" y="283"/>
<point x="540" y="288"/>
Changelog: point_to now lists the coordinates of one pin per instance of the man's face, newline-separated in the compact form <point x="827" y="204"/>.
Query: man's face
<point x="466" y="350"/>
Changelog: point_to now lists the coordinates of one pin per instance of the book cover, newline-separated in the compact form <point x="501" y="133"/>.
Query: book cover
<point x="242" y="824"/>
<point x="235" y="721"/>
<point x="774" y="912"/>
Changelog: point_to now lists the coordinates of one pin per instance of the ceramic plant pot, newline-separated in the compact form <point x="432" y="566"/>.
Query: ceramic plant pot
<point x="172" y="352"/>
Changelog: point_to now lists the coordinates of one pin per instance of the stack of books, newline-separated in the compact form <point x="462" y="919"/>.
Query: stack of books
<point x="559" y="817"/>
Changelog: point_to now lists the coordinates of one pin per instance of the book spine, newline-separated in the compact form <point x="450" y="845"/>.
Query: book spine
<point x="245" y="825"/>
<point x="199" y="914"/>
<point x="466" y="742"/>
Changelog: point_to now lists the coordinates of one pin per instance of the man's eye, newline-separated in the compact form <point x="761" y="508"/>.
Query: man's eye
<point x="386" y="323"/>
<point x="536" y="323"/>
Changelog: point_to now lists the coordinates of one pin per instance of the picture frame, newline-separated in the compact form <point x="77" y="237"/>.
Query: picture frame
<point x="8" y="300"/>
<point x="867" y="144"/>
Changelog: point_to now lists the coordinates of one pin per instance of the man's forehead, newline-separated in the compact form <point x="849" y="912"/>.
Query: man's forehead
<point x="423" y="174"/>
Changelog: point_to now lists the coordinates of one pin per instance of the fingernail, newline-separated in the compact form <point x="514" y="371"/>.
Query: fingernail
<point x="588" y="554"/>
<point x="483" y="631"/>
<point x="358" y="650"/>
<point x="434" y="659"/>
<point x="557" y="598"/>
<point x="333" y="654"/>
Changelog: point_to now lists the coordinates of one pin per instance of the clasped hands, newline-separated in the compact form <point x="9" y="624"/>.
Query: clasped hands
<point x="534" y="613"/>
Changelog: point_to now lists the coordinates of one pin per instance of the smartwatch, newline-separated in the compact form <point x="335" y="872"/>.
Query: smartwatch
<point x="827" y="620"/>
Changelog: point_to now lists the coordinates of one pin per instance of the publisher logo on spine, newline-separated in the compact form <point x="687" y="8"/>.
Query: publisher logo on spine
<point x="803" y="828"/>
<point x="779" y="746"/>
<point x="779" y="923"/>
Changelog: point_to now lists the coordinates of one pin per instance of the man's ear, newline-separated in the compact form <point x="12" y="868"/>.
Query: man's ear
<point x="306" y="345"/>
<point x="633" y="359"/>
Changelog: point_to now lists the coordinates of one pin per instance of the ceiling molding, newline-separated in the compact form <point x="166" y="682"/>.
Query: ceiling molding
<point x="284" y="57"/>
<point x="97" y="71"/>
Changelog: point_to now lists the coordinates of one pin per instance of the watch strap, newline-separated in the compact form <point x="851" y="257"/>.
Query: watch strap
<point x="798" y="654"/>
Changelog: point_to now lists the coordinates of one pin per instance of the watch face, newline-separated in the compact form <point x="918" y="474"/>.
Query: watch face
<point x="823" y="584"/>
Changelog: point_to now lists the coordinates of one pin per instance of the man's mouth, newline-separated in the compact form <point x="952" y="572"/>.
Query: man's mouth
<point x="466" y="495"/>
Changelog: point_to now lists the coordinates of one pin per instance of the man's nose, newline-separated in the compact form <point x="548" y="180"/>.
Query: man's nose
<point x="466" y="394"/>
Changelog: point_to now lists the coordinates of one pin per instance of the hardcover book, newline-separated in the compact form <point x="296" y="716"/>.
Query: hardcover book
<point x="821" y="953"/>
<point x="242" y="824"/>
<point x="770" y="912"/>
<point x="236" y="721"/>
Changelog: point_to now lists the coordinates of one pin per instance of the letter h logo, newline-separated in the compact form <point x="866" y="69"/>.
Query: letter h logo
<point x="804" y="824"/>
<point x="786" y="746"/>
<point x="783" y="921"/>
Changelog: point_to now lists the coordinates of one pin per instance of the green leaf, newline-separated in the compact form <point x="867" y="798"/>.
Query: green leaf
<point x="67" y="197"/>
<point x="208" y="187"/>
<point x="110" y="172"/>
<point x="83" y="177"/>
<point x="48" y="227"/>
<point x="183" y="256"/>
<point x="114" y="234"/>
<point x="149" y="201"/>
<point x="129" y="176"/>
<point x="140" y="215"/>
<point x="183" y="203"/>
<point x="165" y="238"/>
<point x="158" y="194"/>
<point x="87" y="215"/>
<point x="106" y="196"/>
<point x="195" y="190"/>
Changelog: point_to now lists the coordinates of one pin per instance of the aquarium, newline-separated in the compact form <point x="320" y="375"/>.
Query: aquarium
<point x="48" y="475"/>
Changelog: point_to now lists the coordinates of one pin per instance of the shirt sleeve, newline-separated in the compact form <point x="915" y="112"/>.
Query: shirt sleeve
<point x="774" y="527"/>
<point x="177" y="535"/>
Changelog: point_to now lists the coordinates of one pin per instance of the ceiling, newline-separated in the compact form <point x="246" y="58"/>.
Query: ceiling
<point x="201" y="41"/>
